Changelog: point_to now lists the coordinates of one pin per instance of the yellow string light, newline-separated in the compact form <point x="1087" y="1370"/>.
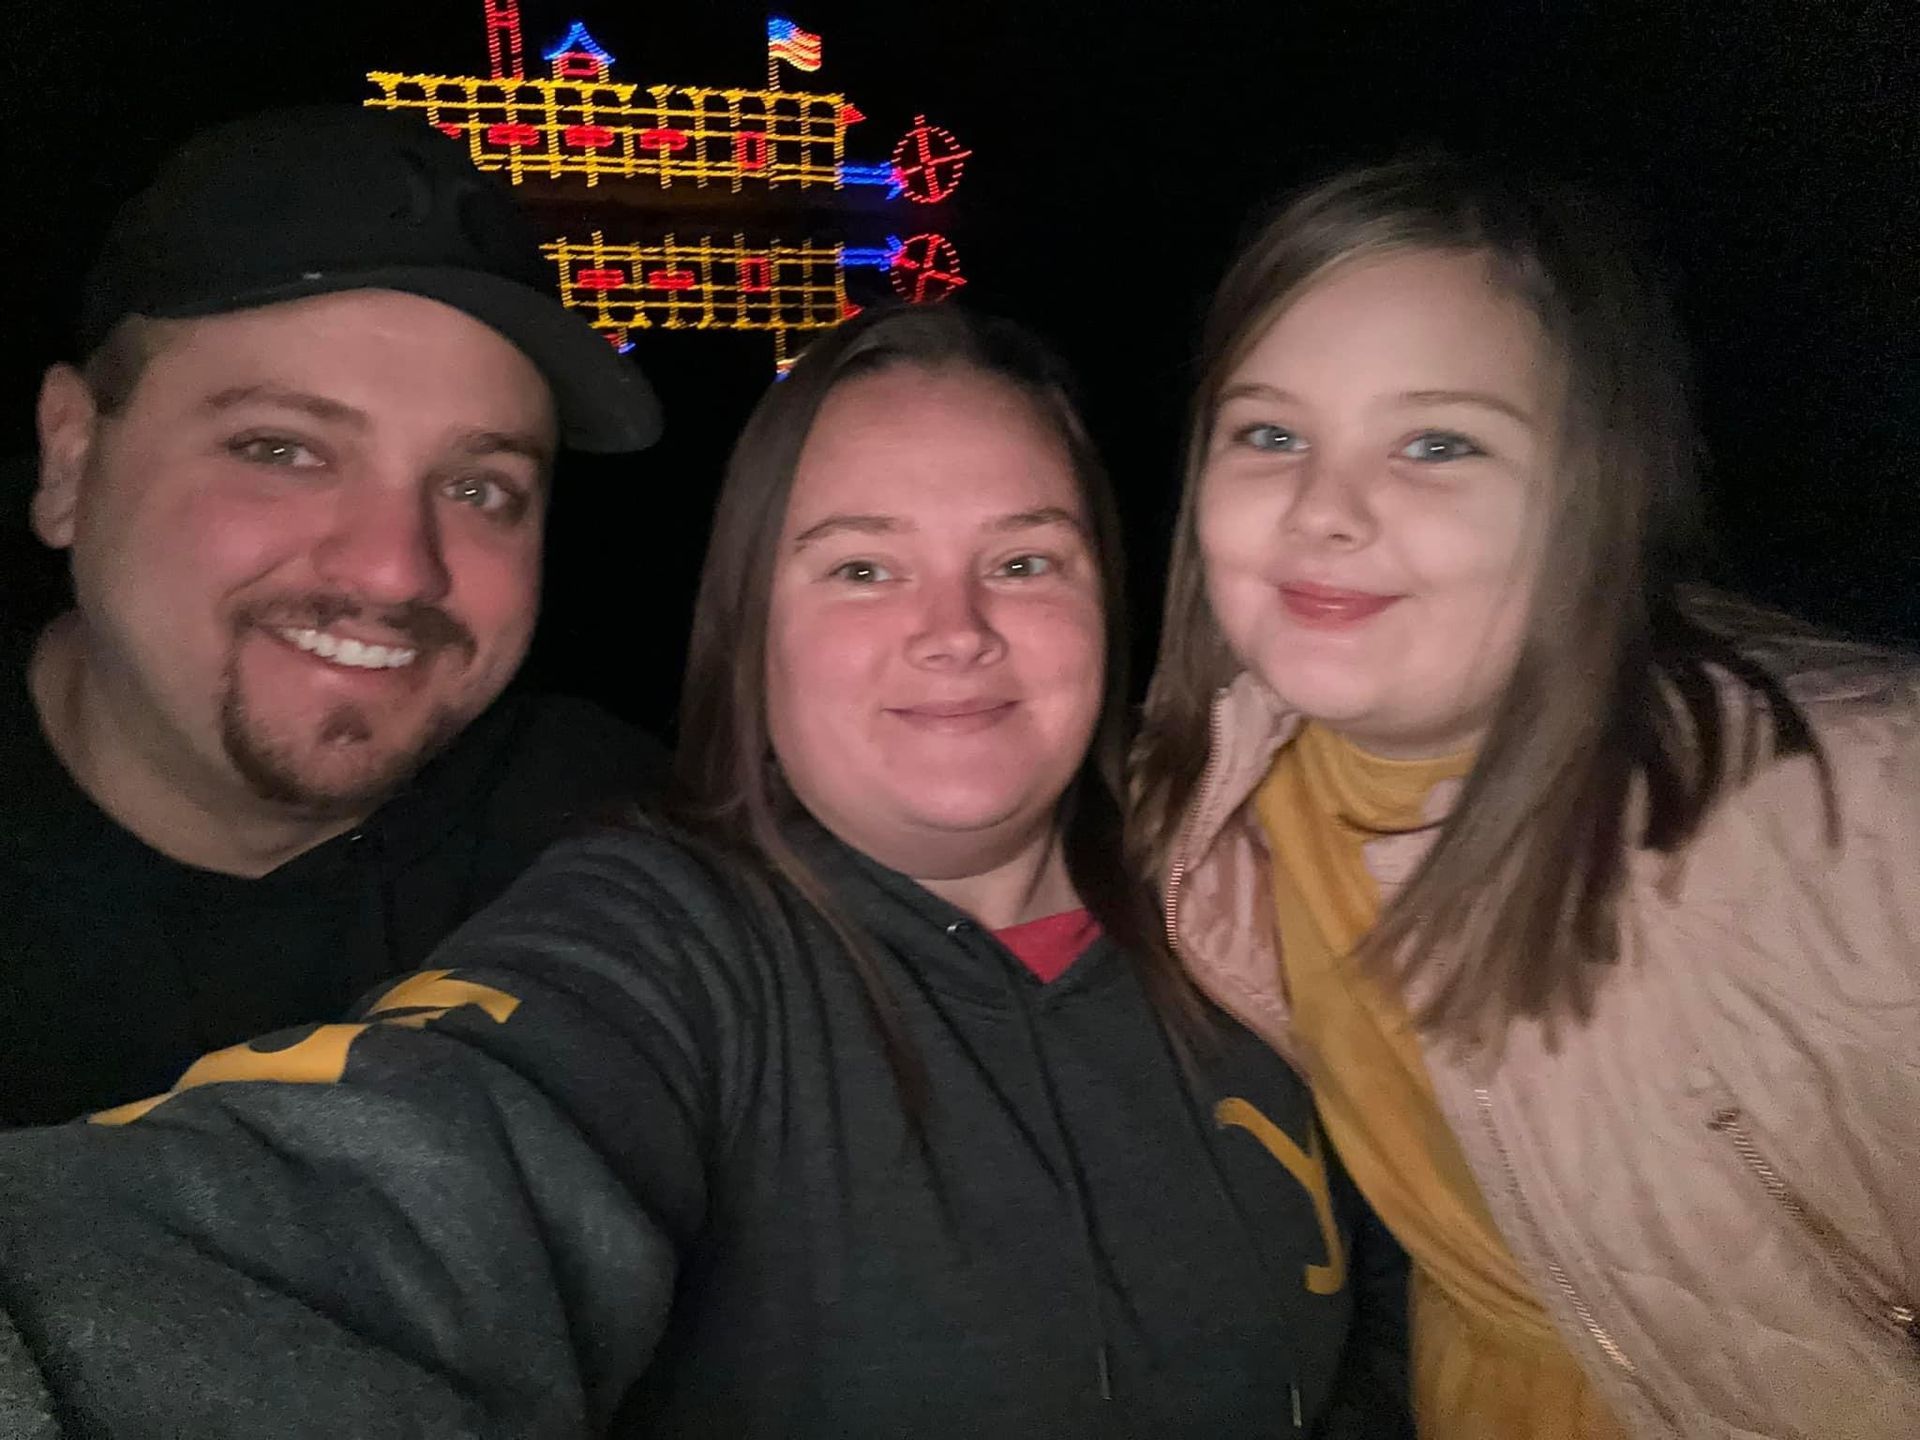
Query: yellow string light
<point x="701" y="285"/>
<point x="676" y="134"/>
<point x="580" y="124"/>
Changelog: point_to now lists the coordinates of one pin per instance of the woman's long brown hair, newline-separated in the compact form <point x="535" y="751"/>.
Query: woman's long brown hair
<point x="725" y="786"/>
<point x="1617" y="728"/>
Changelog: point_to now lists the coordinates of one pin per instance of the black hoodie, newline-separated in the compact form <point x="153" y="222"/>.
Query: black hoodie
<point x="634" y="1163"/>
<point x="119" y="965"/>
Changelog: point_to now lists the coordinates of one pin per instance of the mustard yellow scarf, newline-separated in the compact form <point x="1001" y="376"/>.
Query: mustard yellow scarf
<point x="1487" y="1362"/>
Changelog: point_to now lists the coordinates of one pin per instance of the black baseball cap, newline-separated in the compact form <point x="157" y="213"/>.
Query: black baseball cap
<point x="318" y="199"/>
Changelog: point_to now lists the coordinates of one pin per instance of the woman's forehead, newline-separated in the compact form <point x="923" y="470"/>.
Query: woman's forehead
<point x="931" y="449"/>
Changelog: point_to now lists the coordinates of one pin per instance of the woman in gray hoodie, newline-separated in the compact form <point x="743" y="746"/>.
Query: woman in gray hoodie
<point x="862" y="1098"/>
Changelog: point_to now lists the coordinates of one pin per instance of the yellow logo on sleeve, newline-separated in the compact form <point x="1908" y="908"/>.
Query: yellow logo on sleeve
<point x="320" y="1056"/>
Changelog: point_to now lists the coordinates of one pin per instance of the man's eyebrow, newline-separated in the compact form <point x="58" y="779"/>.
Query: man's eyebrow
<point x="1041" y="515"/>
<point x="318" y="406"/>
<point x="849" y="524"/>
<point x="506" y="442"/>
<point x="1481" y="398"/>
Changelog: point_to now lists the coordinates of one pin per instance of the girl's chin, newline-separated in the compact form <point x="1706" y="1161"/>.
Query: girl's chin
<point x="1326" y="693"/>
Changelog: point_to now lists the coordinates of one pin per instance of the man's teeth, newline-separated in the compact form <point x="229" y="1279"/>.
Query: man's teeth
<point x="356" y="653"/>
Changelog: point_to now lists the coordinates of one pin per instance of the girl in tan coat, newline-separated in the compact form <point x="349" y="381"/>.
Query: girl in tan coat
<point x="1587" y="904"/>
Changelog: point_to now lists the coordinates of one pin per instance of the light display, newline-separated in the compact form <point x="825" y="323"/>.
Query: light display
<point x="924" y="269"/>
<point x="503" y="38"/>
<point x="928" y="162"/>
<point x="787" y="41"/>
<point x="622" y="142"/>
<point x="669" y="134"/>
<point x="579" y="57"/>
<point x="709" y="284"/>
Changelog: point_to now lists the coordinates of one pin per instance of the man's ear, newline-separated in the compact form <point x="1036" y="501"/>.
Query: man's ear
<point x="67" y="420"/>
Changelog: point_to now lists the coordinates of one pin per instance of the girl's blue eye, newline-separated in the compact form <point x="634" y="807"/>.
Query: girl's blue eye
<point x="1433" y="446"/>
<point x="1273" y="438"/>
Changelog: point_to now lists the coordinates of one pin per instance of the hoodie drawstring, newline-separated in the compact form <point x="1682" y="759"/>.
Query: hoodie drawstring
<point x="1198" y="1119"/>
<point x="1076" y="1178"/>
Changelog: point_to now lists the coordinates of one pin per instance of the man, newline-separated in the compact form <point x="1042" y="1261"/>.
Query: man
<point x="301" y="476"/>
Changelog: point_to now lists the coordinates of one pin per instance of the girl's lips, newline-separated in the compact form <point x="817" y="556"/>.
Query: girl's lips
<point x="1325" y="606"/>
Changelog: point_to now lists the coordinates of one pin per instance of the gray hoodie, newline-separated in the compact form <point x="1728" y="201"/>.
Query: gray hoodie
<point x="632" y="1161"/>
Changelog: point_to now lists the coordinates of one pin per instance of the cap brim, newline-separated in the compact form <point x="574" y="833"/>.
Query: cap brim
<point x="604" y="403"/>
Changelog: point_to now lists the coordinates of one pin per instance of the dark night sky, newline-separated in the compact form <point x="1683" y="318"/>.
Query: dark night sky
<point x="1775" y="160"/>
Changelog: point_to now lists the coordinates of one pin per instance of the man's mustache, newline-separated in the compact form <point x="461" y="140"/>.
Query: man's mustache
<point x="416" y="623"/>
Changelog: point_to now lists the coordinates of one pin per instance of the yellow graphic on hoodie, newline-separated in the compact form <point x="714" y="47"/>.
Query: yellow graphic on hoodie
<point x="1309" y="1168"/>
<point x="320" y="1056"/>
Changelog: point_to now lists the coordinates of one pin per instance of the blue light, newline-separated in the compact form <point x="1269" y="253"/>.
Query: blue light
<point x="852" y="174"/>
<point x="780" y="29"/>
<point x="579" y="42"/>
<point x="855" y="257"/>
<point x="887" y="175"/>
<point x="623" y="347"/>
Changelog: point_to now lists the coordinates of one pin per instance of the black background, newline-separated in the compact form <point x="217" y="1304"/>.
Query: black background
<point x="1771" y="149"/>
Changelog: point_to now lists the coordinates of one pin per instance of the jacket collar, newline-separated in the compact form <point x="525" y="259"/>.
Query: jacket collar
<point x="1247" y="727"/>
<point x="1217" y="905"/>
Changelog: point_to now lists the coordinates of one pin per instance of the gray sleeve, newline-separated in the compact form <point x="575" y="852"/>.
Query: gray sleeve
<point x="26" y="1407"/>
<point x="463" y="1220"/>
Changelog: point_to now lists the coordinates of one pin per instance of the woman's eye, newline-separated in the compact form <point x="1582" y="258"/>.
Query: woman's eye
<point x="272" y="450"/>
<point x="1439" y="445"/>
<point x="861" y="572"/>
<point x="1027" y="567"/>
<point x="1274" y="438"/>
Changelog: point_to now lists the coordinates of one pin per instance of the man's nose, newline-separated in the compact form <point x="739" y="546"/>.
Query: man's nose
<point x="384" y="546"/>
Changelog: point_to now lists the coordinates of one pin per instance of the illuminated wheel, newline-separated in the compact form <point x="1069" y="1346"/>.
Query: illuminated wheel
<point x="928" y="162"/>
<point x="926" y="270"/>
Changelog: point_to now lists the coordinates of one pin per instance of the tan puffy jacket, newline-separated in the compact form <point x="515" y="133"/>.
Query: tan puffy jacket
<point x="1715" y="1184"/>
